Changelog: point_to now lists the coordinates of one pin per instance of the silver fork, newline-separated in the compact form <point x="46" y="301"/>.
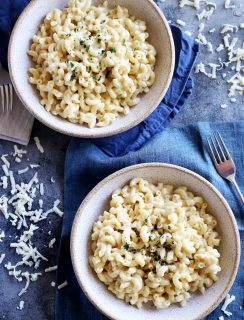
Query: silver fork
<point x="6" y="97"/>
<point x="222" y="160"/>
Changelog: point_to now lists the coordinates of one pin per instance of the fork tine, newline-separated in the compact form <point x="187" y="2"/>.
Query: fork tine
<point x="226" y="150"/>
<point x="220" y="148"/>
<point x="212" y="153"/>
<point x="11" y="97"/>
<point x="6" y="97"/>
<point x="216" y="150"/>
<point x="2" y="97"/>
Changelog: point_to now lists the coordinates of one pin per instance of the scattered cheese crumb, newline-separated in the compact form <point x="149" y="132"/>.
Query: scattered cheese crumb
<point x="23" y="170"/>
<point x="229" y="28"/>
<point x="228" y="5"/>
<point x="41" y="189"/>
<point x="228" y="300"/>
<point x="53" y="284"/>
<point x="21" y="305"/>
<point x="38" y="144"/>
<point x="51" y="269"/>
<point x="3" y="255"/>
<point x="52" y="180"/>
<point x="223" y="106"/>
<point x="220" y="48"/>
<point x="221" y="318"/>
<point x="212" y="30"/>
<point x="34" y="166"/>
<point x="2" y="235"/>
<point x="62" y="285"/>
<point x="207" y="13"/>
<point x="51" y="243"/>
<point x="180" y="22"/>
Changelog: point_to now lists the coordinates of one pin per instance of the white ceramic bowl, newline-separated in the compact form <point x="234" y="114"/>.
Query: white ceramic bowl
<point x="98" y="200"/>
<point x="19" y="63"/>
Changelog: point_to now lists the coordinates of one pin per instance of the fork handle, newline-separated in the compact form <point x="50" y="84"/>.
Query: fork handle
<point x="238" y="190"/>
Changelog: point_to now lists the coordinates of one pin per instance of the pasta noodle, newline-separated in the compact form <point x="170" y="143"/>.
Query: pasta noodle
<point x="156" y="244"/>
<point x="91" y="63"/>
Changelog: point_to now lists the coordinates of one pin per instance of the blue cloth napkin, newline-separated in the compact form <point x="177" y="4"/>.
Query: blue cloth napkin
<point x="86" y="165"/>
<point x="9" y="13"/>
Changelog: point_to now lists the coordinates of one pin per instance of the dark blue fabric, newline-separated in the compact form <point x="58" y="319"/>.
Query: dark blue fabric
<point x="86" y="165"/>
<point x="186" y="50"/>
<point x="9" y="13"/>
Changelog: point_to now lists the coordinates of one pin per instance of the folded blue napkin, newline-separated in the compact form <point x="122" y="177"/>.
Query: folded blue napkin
<point x="86" y="165"/>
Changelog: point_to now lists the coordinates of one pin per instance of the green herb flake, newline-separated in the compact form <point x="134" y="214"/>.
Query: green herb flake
<point x="112" y="50"/>
<point x="72" y="78"/>
<point x="126" y="246"/>
<point x="87" y="48"/>
<point x="82" y="42"/>
<point x="72" y="64"/>
<point x="169" y="227"/>
<point x="103" y="21"/>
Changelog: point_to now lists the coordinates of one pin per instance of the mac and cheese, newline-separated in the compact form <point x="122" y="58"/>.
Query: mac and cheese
<point x="91" y="63"/>
<point x="155" y="243"/>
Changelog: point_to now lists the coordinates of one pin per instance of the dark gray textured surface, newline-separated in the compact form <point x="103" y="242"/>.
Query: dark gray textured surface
<point x="203" y="105"/>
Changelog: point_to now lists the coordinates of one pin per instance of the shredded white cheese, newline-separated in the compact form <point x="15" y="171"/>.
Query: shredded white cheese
<point x="2" y="235"/>
<point x="208" y="12"/>
<point x="21" y="305"/>
<point x="21" y="207"/>
<point x="51" y="243"/>
<point x="228" y="300"/>
<point x="53" y="284"/>
<point x="51" y="269"/>
<point x="223" y="106"/>
<point x="221" y="318"/>
<point x="23" y="170"/>
<point x="228" y="5"/>
<point x="3" y="255"/>
<point x="38" y="144"/>
<point x="180" y="22"/>
<point x="229" y="28"/>
<point x="62" y="285"/>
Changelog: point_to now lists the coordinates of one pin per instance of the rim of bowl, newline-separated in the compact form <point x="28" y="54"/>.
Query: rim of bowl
<point x="159" y="165"/>
<point x="59" y="128"/>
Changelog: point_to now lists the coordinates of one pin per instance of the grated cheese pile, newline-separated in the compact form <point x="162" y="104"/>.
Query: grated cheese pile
<point x="21" y="204"/>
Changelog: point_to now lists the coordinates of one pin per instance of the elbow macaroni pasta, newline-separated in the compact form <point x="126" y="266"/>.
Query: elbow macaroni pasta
<point x="91" y="63"/>
<point x="155" y="243"/>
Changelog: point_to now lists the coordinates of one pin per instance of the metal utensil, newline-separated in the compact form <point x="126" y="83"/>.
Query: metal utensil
<point x="222" y="160"/>
<point x="6" y="97"/>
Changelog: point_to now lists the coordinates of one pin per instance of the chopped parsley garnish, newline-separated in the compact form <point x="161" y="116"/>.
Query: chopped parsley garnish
<point x="72" y="64"/>
<point x="103" y="21"/>
<point x="94" y="77"/>
<point x="169" y="227"/>
<point x="146" y="220"/>
<point x="103" y="51"/>
<point x="126" y="246"/>
<point x="112" y="50"/>
<point x="82" y="42"/>
<point x="72" y="78"/>
<point x="87" y="48"/>
<point x="75" y="29"/>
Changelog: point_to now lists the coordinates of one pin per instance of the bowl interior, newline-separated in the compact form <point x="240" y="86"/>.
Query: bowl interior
<point x="98" y="200"/>
<point x="19" y="63"/>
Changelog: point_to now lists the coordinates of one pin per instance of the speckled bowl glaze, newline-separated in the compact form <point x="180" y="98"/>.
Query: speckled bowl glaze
<point x="97" y="201"/>
<point x="19" y="63"/>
